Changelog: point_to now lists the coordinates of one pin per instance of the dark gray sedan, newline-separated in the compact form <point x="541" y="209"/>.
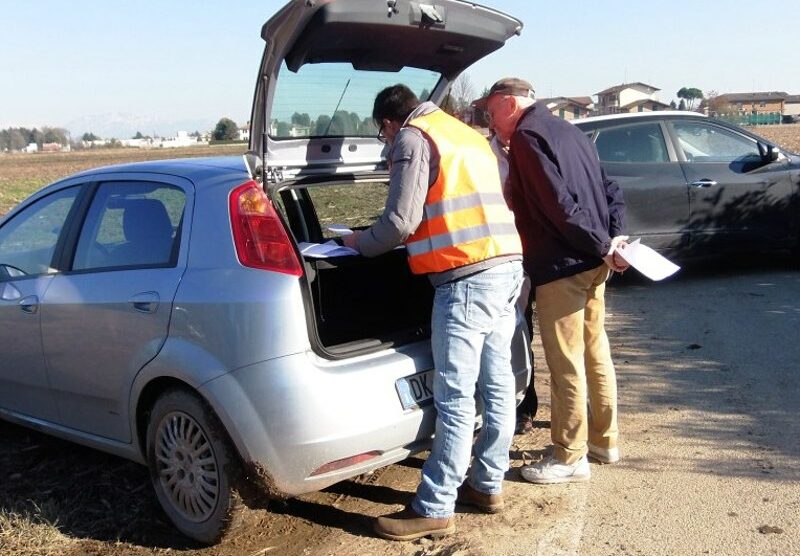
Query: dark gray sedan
<point x="698" y="186"/>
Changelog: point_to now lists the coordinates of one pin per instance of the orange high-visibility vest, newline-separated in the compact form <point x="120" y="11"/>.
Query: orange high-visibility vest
<point x="466" y="219"/>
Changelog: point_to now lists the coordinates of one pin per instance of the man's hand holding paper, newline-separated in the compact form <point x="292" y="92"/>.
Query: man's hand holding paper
<point x="646" y="260"/>
<point x="614" y="261"/>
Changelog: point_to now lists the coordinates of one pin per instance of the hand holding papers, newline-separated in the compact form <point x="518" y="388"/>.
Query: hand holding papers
<point x="647" y="261"/>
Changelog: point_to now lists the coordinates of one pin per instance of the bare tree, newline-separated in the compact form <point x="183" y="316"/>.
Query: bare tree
<point x="462" y="93"/>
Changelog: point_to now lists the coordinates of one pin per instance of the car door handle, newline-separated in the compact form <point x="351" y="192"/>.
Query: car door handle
<point x="29" y="304"/>
<point x="703" y="183"/>
<point x="145" y="302"/>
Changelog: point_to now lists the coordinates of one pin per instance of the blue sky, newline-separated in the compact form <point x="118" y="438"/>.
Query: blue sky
<point x="176" y="60"/>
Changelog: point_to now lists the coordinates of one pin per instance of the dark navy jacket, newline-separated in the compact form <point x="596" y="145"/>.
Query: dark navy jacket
<point x="565" y="208"/>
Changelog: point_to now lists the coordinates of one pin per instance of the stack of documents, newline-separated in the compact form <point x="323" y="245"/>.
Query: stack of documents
<point x="325" y="250"/>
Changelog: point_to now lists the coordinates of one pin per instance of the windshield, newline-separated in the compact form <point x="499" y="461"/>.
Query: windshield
<point x="335" y="99"/>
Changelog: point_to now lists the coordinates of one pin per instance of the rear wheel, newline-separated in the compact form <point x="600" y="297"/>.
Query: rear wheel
<point x="192" y="466"/>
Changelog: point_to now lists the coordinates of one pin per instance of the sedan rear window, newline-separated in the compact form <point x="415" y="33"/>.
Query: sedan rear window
<point x="632" y="143"/>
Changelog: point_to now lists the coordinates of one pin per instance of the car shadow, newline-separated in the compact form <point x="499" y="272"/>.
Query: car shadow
<point x="356" y="524"/>
<point x="83" y="493"/>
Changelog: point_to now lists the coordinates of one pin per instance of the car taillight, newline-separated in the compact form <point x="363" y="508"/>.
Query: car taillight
<point x="258" y="233"/>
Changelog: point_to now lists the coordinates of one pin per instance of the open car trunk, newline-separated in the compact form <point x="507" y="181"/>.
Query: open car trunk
<point x="361" y="303"/>
<point x="323" y="64"/>
<point x="355" y="303"/>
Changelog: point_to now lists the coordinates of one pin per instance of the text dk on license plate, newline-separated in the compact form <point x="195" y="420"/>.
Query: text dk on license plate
<point x="416" y="389"/>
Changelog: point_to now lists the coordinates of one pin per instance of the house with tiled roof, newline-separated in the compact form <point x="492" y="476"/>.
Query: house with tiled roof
<point x="569" y="108"/>
<point x="760" y="102"/>
<point x="629" y="97"/>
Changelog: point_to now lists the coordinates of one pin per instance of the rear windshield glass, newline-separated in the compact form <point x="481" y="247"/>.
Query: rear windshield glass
<point x="335" y="99"/>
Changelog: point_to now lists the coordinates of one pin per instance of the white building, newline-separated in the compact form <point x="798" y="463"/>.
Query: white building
<point x="629" y="97"/>
<point x="183" y="139"/>
<point x="791" y="107"/>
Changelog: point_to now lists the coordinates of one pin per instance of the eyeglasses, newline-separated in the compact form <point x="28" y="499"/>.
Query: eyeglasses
<point x="381" y="136"/>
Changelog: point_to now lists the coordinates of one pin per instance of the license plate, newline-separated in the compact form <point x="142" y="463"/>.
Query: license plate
<point x="415" y="390"/>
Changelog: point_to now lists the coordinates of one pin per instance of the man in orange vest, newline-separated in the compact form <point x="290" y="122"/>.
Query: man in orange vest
<point x="446" y="206"/>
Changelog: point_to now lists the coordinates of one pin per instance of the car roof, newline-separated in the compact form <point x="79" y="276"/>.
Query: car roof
<point x="639" y="116"/>
<point x="177" y="166"/>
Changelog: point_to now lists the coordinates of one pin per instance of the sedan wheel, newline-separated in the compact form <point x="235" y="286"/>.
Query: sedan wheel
<point x="191" y="466"/>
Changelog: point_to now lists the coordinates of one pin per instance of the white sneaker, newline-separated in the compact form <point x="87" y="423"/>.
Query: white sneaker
<point x="603" y="455"/>
<point x="551" y="471"/>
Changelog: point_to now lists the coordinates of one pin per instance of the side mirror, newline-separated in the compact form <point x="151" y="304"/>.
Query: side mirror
<point x="768" y="153"/>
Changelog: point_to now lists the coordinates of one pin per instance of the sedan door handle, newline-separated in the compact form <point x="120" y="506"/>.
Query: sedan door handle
<point x="146" y="302"/>
<point x="703" y="183"/>
<point x="29" y="304"/>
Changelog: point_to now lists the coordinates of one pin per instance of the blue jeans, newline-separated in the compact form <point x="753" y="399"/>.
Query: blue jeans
<point x="473" y="322"/>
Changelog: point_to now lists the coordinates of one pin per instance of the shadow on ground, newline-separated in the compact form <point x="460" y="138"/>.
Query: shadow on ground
<point x="716" y="346"/>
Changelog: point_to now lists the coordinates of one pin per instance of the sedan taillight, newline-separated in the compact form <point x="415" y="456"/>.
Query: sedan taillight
<point x="258" y="233"/>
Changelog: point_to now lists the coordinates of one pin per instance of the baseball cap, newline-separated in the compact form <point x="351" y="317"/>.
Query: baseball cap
<point x="512" y="86"/>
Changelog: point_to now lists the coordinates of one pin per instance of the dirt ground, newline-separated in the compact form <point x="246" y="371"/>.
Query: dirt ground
<point x="709" y="390"/>
<point x="709" y="393"/>
<point x="785" y="135"/>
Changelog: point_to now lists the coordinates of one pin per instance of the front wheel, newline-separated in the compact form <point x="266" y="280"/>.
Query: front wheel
<point x="192" y="466"/>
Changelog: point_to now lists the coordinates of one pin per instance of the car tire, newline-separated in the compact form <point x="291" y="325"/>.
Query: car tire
<point x="193" y="468"/>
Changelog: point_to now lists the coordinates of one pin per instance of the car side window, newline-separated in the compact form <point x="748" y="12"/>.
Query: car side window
<point x="28" y="241"/>
<point x="704" y="142"/>
<point x="131" y="225"/>
<point x="632" y="143"/>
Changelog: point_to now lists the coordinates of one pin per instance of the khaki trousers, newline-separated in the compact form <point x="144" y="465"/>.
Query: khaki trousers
<point x="571" y="316"/>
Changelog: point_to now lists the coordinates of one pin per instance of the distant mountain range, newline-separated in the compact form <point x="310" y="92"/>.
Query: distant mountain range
<point x="124" y="126"/>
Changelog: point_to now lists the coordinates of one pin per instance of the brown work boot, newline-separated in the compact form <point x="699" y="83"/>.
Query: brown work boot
<point x="407" y="525"/>
<point x="489" y="503"/>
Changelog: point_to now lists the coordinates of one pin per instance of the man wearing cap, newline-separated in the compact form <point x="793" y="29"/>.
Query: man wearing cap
<point x="570" y="219"/>
<point x="445" y="204"/>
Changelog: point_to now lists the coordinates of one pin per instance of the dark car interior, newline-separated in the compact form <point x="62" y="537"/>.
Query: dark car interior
<point x="358" y="302"/>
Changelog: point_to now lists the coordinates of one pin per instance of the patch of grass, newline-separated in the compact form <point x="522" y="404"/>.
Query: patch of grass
<point x="352" y="205"/>
<point x="32" y="532"/>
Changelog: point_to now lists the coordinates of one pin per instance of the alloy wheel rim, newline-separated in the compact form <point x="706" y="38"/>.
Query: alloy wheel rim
<point x="187" y="467"/>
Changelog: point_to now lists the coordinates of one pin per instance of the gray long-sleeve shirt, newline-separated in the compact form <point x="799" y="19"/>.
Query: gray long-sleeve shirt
<point x="414" y="165"/>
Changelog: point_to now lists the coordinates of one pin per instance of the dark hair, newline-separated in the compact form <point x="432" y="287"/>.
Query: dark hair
<point x="394" y="103"/>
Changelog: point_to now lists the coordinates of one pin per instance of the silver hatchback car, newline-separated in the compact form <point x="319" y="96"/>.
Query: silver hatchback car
<point x="171" y="312"/>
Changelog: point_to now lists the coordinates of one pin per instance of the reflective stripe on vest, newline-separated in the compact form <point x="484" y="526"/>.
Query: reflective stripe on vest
<point x="463" y="235"/>
<point x="465" y="218"/>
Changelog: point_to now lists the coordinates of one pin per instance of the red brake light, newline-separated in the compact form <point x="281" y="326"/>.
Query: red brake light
<point x="258" y="233"/>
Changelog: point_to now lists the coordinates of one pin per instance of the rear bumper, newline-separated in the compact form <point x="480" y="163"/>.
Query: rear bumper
<point x="290" y="416"/>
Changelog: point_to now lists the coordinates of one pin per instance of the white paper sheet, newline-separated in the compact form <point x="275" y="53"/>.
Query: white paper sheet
<point x="647" y="261"/>
<point x="340" y="229"/>
<point x="325" y="250"/>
